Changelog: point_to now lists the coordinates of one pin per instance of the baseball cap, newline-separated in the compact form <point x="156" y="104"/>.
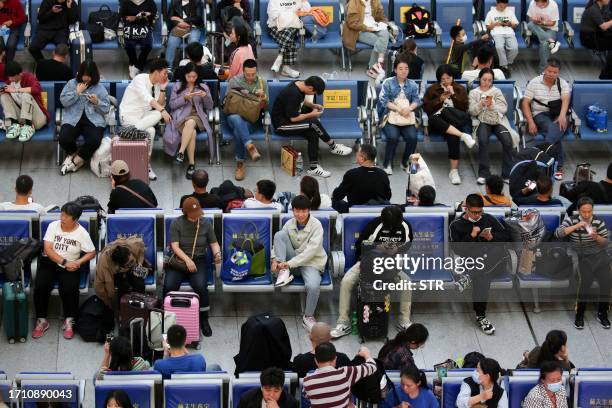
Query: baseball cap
<point x="119" y="168"/>
<point x="191" y="207"/>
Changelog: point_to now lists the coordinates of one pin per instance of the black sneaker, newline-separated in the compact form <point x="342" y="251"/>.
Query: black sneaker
<point x="180" y="157"/>
<point x="205" y="327"/>
<point x="579" y="322"/>
<point x="189" y="172"/>
<point x="602" y="318"/>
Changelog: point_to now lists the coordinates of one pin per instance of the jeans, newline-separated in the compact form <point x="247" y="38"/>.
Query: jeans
<point x="350" y="279"/>
<point x="284" y="251"/>
<point x="91" y="134"/>
<point x="241" y="131"/>
<point x="393" y="133"/>
<point x="10" y="46"/>
<point x="175" y="42"/>
<point x="379" y="40"/>
<point x="507" y="48"/>
<point x="484" y="133"/>
<point x="544" y="35"/>
<point x="551" y="132"/>
<point x="198" y="281"/>
<point x="69" y="282"/>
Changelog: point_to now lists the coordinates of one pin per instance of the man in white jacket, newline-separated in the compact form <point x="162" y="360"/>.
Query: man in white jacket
<point x="298" y="249"/>
<point x="283" y="26"/>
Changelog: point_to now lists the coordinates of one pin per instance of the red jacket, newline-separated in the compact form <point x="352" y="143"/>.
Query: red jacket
<point x="12" y="10"/>
<point x="29" y="80"/>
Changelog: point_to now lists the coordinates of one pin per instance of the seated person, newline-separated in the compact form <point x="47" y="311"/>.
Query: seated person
<point x="484" y="59"/>
<point x="412" y="390"/>
<point x="54" y="20"/>
<point x="544" y="23"/>
<point x="309" y="188"/>
<point x="121" y="265"/>
<point x="596" y="31"/>
<point x="185" y="21"/>
<point x="128" y="192"/>
<point x="550" y="391"/>
<point x="396" y="354"/>
<point x="389" y="227"/>
<point x="409" y="53"/>
<point x="305" y="362"/>
<point x="494" y="196"/>
<point x="199" y="181"/>
<point x="283" y="26"/>
<point x="176" y="357"/>
<point x="118" y="357"/>
<point x="117" y="399"/>
<point x="240" y="37"/>
<point x="482" y="387"/>
<point x="460" y="56"/>
<point x="501" y="21"/>
<point x="12" y="17"/>
<point x="543" y="197"/>
<point x="23" y="197"/>
<point x="366" y="184"/>
<point x="298" y="249"/>
<point x="195" y="54"/>
<point x="554" y="348"/>
<point x="22" y="104"/>
<point x="600" y="193"/>
<point x="55" y="69"/>
<point x="426" y="197"/>
<point x="271" y="394"/>
<point x="264" y="196"/>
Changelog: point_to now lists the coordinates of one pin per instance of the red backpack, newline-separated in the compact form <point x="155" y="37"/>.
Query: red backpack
<point x="418" y="22"/>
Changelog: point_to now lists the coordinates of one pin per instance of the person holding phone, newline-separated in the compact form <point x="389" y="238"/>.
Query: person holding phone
<point x="138" y="19"/>
<point x="482" y="387"/>
<point x="190" y="103"/>
<point x="54" y="19"/>
<point x="86" y="104"/>
<point x="501" y="21"/>
<point x="118" y="357"/>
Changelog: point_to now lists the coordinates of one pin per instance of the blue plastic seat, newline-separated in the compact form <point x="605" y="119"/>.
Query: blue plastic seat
<point x="187" y="393"/>
<point x="266" y="42"/>
<point x="72" y="391"/>
<point x="13" y="228"/>
<point x="589" y="390"/>
<point x="450" y="391"/>
<point x="585" y="93"/>
<point x="333" y="39"/>
<point x="447" y="13"/>
<point x="400" y="7"/>
<point x="46" y="133"/>
<point x="518" y="388"/>
<point x="141" y="392"/>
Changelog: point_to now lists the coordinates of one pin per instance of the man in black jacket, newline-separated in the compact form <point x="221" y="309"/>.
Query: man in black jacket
<point x="54" y="17"/>
<point x="365" y="184"/>
<point x="127" y="192"/>
<point x="271" y="394"/>
<point x="305" y="362"/>
<point x="480" y="230"/>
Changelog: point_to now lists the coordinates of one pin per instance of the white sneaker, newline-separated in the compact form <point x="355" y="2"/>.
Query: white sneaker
<point x="284" y="278"/>
<point x="318" y="172"/>
<point x="68" y="167"/>
<point x="481" y="180"/>
<point x="341" y="150"/>
<point x="468" y="140"/>
<point x="308" y="322"/>
<point x="554" y="46"/>
<point x="454" y="177"/>
<point x="152" y="175"/>
<point x="133" y="71"/>
<point x="389" y="170"/>
<point x="277" y="63"/>
<point x="340" y="330"/>
<point x="290" y="72"/>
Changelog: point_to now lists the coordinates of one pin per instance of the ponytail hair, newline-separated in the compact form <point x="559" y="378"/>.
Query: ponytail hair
<point x="415" y="333"/>
<point x="417" y="376"/>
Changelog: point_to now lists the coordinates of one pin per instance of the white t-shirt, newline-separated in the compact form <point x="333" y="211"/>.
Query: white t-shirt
<point x="537" y="89"/>
<point x="137" y="97"/>
<point x="472" y="75"/>
<point x="494" y="15"/>
<point x="254" y="203"/>
<point x="550" y="12"/>
<point x="9" y="206"/>
<point x="69" y="245"/>
<point x="368" y="18"/>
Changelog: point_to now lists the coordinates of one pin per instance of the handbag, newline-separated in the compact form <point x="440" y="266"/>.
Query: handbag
<point x="176" y="263"/>
<point x="583" y="172"/>
<point x="597" y="118"/>
<point x="399" y="120"/>
<point x="288" y="159"/>
<point x="180" y="32"/>
<point x="252" y="241"/>
<point x="108" y="18"/>
<point x="237" y="265"/>
<point x="247" y="106"/>
<point x="554" y="107"/>
<point x="96" y="32"/>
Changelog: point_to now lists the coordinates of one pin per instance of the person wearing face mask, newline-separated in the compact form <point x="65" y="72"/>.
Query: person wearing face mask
<point x="554" y="348"/>
<point x="481" y="388"/>
<point x="271" y="394"/>
<point x="412" y="392"/>
<point x="396" y="354"/>
<point x="462" y="52"/>
<point x="476" y="227"/>
<point x="588" y="235"/>
<point x="550" y="391"/>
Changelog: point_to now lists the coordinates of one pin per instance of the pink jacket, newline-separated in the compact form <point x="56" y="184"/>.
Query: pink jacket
<point x="237" y="58"/>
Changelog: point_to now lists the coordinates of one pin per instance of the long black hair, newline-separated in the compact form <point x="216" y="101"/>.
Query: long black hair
<point x="555" y="339"/>
<point x="187" y="69"/>
<point x="417" y="376"/>
<point x="415" y="333"/>
<point x="121" y="354"/>
<point x="309" y="186"/>
<point x="120" y="397"/>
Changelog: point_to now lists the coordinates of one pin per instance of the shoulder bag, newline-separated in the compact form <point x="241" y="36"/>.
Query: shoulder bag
<point x="135" y="194"/>
<point x="247" y="106"/>
<point x="554" y="107"/>
<point x="176" y="263"/>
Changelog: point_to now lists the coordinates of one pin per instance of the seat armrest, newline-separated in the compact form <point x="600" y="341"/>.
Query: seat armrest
<point x="438" y="32"/>
<point x="120" y="35"/>
<point x="164" y="32"/>
<point x="257" y="29"/>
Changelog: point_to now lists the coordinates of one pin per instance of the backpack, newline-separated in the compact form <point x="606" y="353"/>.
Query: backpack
<point x="374" y="388"/>
<point x="16" y="255"/>
<point x="95" y="320"/>
<point x="583" y="172"/>
<point x="527" y="229"/>
<point x="231" y="195"/>
<point x="418" y="22"/>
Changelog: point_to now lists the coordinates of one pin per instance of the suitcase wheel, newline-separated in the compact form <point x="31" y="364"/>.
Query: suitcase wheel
<point x="11" y="340"/>
<point x="22" y="339"/>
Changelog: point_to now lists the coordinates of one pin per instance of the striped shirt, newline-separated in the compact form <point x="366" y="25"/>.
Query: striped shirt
<point x="580" y="238"/>
<point x="537" y="89"/>
<point x="330" y="387"/>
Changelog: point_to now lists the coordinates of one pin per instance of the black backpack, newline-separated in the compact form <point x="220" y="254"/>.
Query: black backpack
<point x="15" y="256"/>
<point x="369" y="389"/>
<point x="418" y="22"/>
<point x="95" y="320"/>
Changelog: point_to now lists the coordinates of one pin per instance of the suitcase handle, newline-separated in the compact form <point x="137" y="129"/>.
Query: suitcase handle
<point x="180" y="302"/>
<point x="138" y="304"/>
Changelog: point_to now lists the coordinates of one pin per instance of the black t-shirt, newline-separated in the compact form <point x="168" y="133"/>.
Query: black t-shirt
<point x="52" y="70"/>
<point x="121" y="198"/>
<point x="304" y="363"/>
<point x="533" y="200"/>
<point x="593" y="17"/>
<point x="206" y="200"/>
<point x="399" y="234"/>
<point x="362" y="184"/>
<point x="607" y="188"/>
<point x="287" y="105"/>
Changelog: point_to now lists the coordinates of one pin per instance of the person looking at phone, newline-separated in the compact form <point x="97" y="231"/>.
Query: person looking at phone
<point x="118" y="356"/>
<point x="271" y="394"/>
<point x="86" y="104"/>
<point x="477" y="227"/>
<point x="588" y="235"/>
<point x="55" y="69"/>
<point x="481" y="388"/>
<point x="176" y="357"/>
<point x="501" y="21"/>
<point x="54" y="19"/>
<point x="190" y="103"/>
<point x="543" y="197"/>
<point x="411" y="392"/>
<point x="138" y="18"/>
<point x="544" y="24"/>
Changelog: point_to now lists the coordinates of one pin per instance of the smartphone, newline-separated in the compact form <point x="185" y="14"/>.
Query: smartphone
<point x="532" y="185"/>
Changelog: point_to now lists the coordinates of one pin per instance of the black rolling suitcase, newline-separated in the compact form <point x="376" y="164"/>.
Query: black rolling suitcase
<point x="372" y="317"/>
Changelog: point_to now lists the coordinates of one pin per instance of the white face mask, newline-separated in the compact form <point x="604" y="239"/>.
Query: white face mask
<point x="464" y="38"/>
<point x="555" y="387"/>
<point x="474" y="221"/>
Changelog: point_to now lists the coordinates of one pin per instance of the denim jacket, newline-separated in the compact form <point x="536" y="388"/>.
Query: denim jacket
<point x="74" y="104"/>
<point x="391" y="90"/>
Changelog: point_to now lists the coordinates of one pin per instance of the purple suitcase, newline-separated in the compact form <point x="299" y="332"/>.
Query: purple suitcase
<point x="135" y="153"/>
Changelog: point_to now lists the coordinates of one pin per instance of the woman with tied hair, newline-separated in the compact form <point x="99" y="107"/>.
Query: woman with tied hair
<point x="554" y="348"/>
<point x="118" y="357"/>
<point x="412" y="390"/>
<point x="396" y="354"/>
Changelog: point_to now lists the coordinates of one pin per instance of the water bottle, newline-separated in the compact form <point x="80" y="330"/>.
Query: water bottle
<point x="299" y="164"/>
<point x="354" y="329"/>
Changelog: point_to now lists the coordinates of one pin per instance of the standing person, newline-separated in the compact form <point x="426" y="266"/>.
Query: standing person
<point x="501" y="21"/>
<point x="191" y="237"/>
<point x="482" y="387"/>
<point x="289" y="118"/>
<point x="298" y="250"/>
<point x="412" y="390"/>
<point x="596" y="31"/>
<point x="249" y="83"/>
<point x="396" y="354"/>
<point x="21" y="100"/>
<point x="536" y="106"/>
<point x="366" y="22"/>
<point x="186" y="21"/>
<point x="144" y="102"/>
<point x="489" y="106"/>
<point x="67" y="247"/>
<point x="588" y="235"/>
<point x="270" y="394"/>
<point x="190" y="103"/>
<point x="550" y="391"/>
<point x="199" y="181"/>
<point x="55" y="69"/>
<point x="446" y="103"/>
<point x="86" y="104"/>
<point x="544" y="23"/>
<point x="23" y="197"/>
<point x="54" y="19"/>
<point x="305" y="362"/>
<point x="122" y="195"/>
<point x="243" y="51"/>
<point x="399" y="97"/>
<point x="283" y="26"/>
<point x="409" y="53"/>
<point x="12" y="16"/>
<point x="138" y="18"/>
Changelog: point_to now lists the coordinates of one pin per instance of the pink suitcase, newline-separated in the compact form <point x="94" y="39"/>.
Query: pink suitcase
<point x="135" y="153"/>
<point x="186" y="306"/>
